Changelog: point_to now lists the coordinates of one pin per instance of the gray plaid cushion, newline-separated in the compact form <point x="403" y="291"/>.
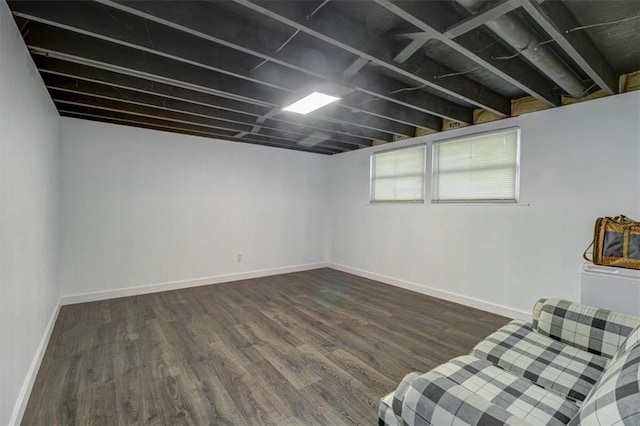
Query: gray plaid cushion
<point x="436" y="400"/>
<point x="506" y="390"/>
<point x="615" y="400"/>
<point x="569" y="371"/>
<point x="598" y="331"/>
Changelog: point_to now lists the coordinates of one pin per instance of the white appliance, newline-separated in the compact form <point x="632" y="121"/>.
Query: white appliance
<point x="617" y="289"/>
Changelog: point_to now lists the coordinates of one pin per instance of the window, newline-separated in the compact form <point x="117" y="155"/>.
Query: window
<point x="477" y="168"/>
<point x="398" y="175"/>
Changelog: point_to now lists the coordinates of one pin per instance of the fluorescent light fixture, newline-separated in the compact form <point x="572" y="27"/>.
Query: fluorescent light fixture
<point x="310" y="103"/>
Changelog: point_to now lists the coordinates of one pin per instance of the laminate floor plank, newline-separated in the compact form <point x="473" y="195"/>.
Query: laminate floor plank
<point x="304" y="331"/>
<point x="290" y="364"/>
<point x="307" y="348"/>
<point x="348" y="387"/>
<point x="372" y="378"/>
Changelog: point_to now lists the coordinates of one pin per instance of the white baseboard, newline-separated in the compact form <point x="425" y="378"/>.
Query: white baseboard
<point x="176" y="285"/>
<point x="27" y="385"/>
<point x="435" y="292"/>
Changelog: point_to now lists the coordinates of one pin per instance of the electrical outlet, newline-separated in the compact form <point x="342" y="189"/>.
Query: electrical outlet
<point x="239" y="258"/>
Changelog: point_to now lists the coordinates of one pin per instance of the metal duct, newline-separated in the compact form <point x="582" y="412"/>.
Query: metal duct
<point x="519" y="36"/>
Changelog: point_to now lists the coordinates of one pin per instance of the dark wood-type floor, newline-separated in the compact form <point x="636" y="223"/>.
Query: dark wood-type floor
<point x="317" y="347"/>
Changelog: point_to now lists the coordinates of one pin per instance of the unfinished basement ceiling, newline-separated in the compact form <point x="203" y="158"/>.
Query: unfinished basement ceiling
<point x="225" y="69"/>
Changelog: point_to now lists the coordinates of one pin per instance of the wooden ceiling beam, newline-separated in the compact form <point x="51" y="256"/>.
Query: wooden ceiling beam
<point x="50" y="65"/>
<point x="86" y="50"/>
<point x="58" y="85"/>
<point x="349" y="35"/>
<point x="89" y="20"/>
<point x="368" y="82"/>
<point x="199" y="19"/>
<point x="145" y="111"/>
<point x="69" y="74"/>
<point x="557" y="20"/>
<point x="153" y="115"/>
<point x="515" y="72"/>
<point x="479" y="19"/>
<point x="409" y="115"/>
<point x="413" y="46"/>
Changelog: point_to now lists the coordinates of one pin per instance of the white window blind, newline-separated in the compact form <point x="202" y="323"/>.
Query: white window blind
<point x="478" y="168"/>
<point x="398" y="175"/>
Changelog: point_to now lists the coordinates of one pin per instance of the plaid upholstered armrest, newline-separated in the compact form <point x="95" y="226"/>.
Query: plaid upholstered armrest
<point x="401" y="392"/>
<point x="594" y="330"/>
<point x="433" y="399"/>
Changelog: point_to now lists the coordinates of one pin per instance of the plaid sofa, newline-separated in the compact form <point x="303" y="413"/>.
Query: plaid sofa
<point x="573" y="364"/>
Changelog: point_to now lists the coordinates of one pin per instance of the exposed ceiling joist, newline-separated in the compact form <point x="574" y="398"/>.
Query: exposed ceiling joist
<point x="413" y="46"/>
<point x="194" y="19"/>
<point x="556" y="20"/>
<point x="226" y="69"/>
<point x="172" y="73"/>
<point x="479" y="19"/>
<point x="384" y="88"/>
<point x="214" y="60"/>
<point x="408" y="113"/>
<point x="143" y="115"/>
<point x="79" y="72"/>
<point x="48" y="65"/>
<point x="370" y="83"/>
<point x="161" y="71"/>
<point x="356" y="66"/>
<point x="110" y="93"/>
<point x="347" y="34"/>
<point x="56" y="77"/>
<point x="81" y="28"/>
<point x="515" y="72"/>
<point x="157" y="42"/>
<point x="145" y="111"/>
<point x="532" y="46"/>
<point x="277" y="73"/>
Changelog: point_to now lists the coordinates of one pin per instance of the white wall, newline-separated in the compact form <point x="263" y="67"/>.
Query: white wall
<point x="142" y="207"/>
<point x="29" y="187"/>
<point x="578" y="162"/>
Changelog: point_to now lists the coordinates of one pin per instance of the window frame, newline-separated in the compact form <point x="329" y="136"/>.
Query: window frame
<point x="434" y="168"/>
<point x="373" y="201"/>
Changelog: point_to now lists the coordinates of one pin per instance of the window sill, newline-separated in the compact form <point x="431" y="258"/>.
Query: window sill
<point x="423" y="204"/>
<point x="485" y="204"/>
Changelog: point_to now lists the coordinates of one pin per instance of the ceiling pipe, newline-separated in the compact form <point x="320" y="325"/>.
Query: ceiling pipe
<point x="518" y="35"/>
